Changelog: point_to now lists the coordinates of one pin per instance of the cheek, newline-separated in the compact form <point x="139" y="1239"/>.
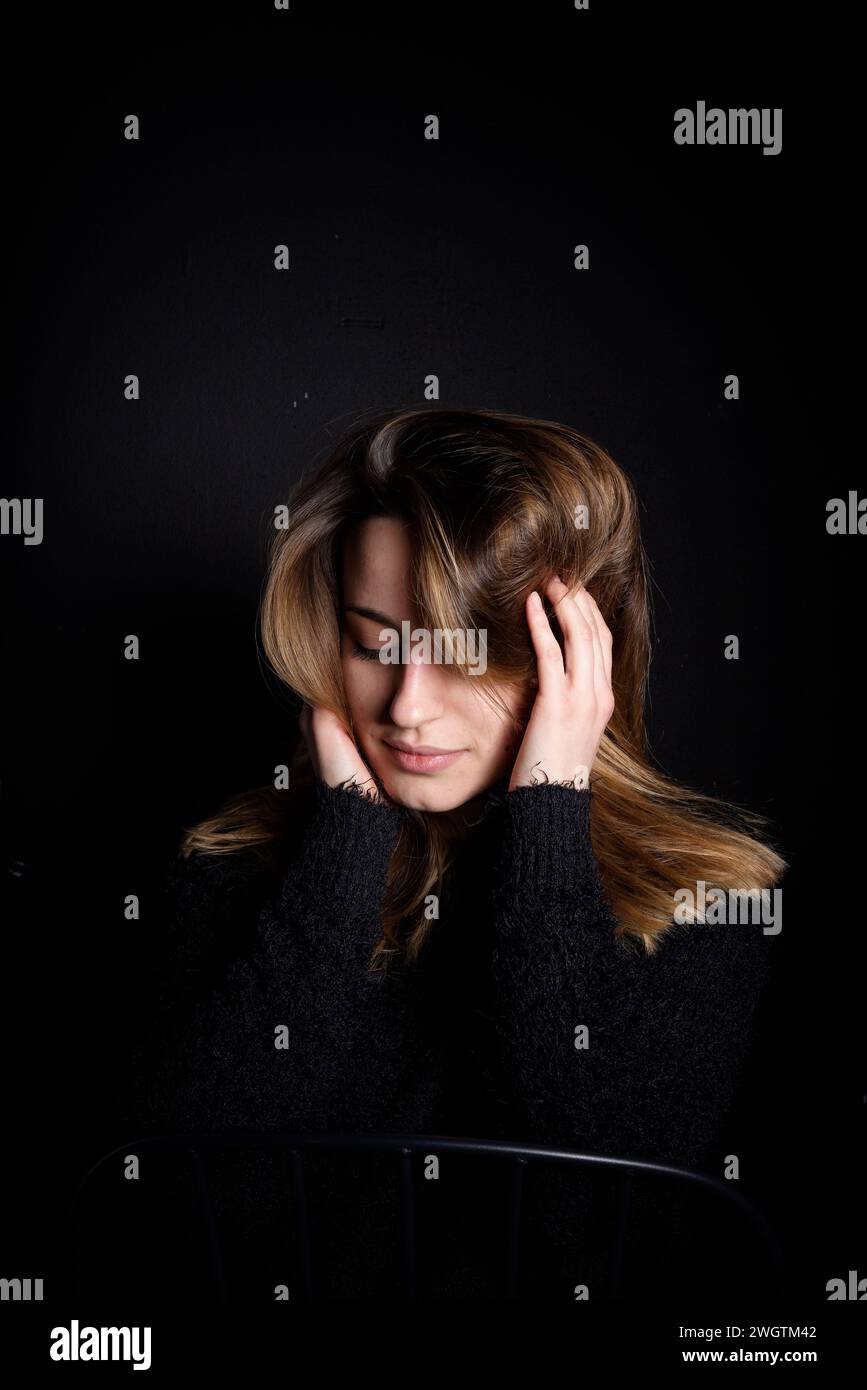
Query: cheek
<point x="351" y="683"/>
<point x="362" y="682"/>
<point x="507" y="732"/>
<point x="494" y="732"/>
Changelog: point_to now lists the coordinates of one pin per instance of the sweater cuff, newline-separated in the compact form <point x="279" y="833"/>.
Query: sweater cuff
<point x="347" y="847"/>
<point x="547" y="851"/>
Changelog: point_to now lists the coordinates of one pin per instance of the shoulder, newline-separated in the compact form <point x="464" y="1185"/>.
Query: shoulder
<point x="216" y="883"/>
<point x="211" y="900"/>
<point x="726" y="965"/>
<point x="224" y="870"/>
<point x="745" y="943"/>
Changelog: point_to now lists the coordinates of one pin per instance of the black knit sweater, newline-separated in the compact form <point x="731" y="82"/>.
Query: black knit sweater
<point x="478" y="1039"/>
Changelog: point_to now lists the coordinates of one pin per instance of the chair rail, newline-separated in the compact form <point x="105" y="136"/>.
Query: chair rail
<point x="299" y="1142"/>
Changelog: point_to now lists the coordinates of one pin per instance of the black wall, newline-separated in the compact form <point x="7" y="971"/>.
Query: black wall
<point x="408" y="257"/>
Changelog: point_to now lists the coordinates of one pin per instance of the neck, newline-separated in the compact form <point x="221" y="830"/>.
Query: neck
<point x="467" y="818"/>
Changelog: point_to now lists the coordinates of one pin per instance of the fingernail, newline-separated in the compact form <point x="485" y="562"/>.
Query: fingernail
<point x="535" y="601"/>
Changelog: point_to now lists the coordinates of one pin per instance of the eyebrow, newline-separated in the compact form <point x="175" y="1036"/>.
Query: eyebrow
<point x="372" y="613"/>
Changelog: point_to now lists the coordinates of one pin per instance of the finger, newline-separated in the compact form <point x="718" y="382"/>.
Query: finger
<point x="578" y="634"/>
<point x="604" y="634"/>
<point x="549" y="658"/>
<point x="601" y="682"/>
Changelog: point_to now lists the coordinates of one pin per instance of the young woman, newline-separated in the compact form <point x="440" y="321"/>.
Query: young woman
<point x="428" y="930"/>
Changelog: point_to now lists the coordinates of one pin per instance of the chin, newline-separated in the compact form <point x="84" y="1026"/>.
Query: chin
<point x="421" y="793"/>
<point x="427" y="801"/>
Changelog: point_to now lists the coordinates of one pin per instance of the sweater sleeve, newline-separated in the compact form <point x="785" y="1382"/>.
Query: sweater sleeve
<point x="666" y="1034"/>
<point x="273" y="1019"/>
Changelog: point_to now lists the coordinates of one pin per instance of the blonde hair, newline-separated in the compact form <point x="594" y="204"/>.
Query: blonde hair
<point x="492" y="501"/>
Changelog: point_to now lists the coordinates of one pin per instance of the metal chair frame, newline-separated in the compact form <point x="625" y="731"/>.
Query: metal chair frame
<point x="404" y="1146"/>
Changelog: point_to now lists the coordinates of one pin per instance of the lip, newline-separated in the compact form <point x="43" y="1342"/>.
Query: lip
<point x="424" y="758"/>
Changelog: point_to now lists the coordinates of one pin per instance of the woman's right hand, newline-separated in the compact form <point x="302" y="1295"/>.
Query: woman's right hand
<point x="332" y="750"/>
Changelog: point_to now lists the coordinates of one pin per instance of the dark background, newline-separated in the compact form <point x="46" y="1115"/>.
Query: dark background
<point x="408" y="257"/>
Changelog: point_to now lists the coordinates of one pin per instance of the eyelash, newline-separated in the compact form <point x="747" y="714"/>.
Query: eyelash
<point x="365" y="653"/>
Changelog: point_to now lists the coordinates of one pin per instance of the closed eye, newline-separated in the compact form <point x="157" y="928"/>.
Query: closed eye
<point x="365" y="653"/>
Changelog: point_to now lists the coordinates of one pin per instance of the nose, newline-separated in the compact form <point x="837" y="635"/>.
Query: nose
<point x="418" y="698"/>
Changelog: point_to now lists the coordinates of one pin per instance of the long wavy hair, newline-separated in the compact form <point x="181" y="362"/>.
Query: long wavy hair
<point x="497" y="503"/>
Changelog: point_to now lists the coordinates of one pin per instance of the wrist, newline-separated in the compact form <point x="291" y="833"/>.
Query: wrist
<point x="547" y="851"/>
<point x="546" y="774"/>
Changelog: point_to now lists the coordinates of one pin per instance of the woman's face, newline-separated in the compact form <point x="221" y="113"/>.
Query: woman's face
<point x="419" y="704"/>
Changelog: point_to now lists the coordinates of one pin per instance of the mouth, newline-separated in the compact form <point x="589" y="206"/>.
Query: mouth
<point x="424" y="758"/>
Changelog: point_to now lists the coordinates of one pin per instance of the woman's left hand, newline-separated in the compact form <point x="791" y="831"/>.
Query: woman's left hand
<point x="574" y="701"/>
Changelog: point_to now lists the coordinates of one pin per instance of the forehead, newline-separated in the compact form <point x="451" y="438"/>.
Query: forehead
<point x="376" y="558"/>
